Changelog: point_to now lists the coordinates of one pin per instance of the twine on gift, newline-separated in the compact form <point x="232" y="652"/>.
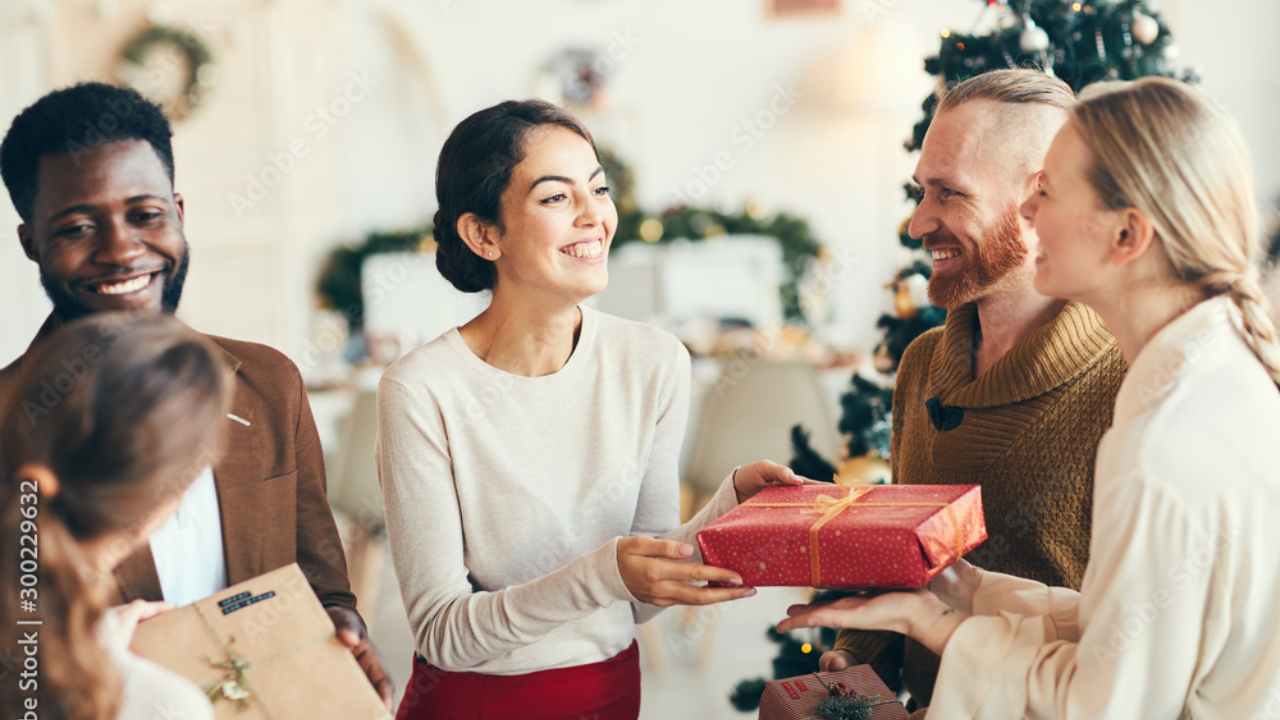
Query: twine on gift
<point x="831" y="508"/>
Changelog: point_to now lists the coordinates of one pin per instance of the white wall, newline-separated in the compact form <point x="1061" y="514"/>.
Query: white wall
<point x="327" y="116"/>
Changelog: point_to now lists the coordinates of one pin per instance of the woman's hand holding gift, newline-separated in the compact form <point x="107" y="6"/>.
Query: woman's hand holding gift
<point x="751" y="479"/>
<point x="118" y="623"/>
<point x="920" y="615"/>
<point x="658" y="572"/>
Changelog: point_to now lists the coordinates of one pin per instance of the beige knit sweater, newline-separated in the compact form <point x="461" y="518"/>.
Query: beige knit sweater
<point x="1027" y="430"/>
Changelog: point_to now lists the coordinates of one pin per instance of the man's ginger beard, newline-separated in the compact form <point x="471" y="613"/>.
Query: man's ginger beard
<point x="998" y="253"/>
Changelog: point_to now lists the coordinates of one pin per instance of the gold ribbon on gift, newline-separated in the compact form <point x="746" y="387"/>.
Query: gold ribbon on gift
<point x="831" y="508"/>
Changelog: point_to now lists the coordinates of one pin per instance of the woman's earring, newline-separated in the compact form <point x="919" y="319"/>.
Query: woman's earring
<point x="42" y="477"/>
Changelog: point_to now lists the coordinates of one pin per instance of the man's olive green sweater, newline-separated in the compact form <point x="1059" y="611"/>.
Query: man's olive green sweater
<point x="1026" y="430"/>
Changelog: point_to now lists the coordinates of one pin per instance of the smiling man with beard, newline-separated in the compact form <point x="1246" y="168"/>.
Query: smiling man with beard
<point x="1015" y="391"/>
<point x="90" y="171"/>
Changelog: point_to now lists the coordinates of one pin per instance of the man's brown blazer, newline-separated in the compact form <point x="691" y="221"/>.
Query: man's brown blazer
<point x="270" y="481"/>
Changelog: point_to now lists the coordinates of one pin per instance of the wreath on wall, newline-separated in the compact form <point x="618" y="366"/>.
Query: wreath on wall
<point x="169" y="65"/>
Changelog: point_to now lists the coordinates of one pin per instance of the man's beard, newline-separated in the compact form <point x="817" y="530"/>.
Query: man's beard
<point x="999" y="252"/>
<point x="67" y="307"/>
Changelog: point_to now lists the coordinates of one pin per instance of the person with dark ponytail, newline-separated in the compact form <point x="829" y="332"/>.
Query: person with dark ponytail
<point x="529" y="459"/>
<point x="108" y="426"/>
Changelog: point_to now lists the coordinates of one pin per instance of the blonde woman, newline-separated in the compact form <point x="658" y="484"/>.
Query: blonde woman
<point x="1145" y="212"/>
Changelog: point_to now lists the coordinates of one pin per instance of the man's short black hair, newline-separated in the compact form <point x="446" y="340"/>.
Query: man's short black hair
<point x="72" y="120"/>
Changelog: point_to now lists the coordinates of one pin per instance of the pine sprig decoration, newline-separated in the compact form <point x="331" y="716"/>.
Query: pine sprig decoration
<point x="747" y="693"/>
<point x="848" y="707"/>
<point x="844" y="704"/>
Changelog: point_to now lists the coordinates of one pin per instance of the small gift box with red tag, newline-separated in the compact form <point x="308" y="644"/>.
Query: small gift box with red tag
<point x="834" y="536"/>
<point x="851" y="693"/>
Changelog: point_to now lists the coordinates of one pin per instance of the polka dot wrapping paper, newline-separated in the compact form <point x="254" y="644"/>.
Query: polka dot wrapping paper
<point x="796" y="698"/>
<point x="843" y="537"/>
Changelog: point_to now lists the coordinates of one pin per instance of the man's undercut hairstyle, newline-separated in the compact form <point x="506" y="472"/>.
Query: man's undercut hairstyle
<point x="1015" y="87"/>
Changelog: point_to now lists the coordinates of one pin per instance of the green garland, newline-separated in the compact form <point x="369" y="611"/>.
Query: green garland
<point x="193" y="49"/>
<point x="339" y="283"/>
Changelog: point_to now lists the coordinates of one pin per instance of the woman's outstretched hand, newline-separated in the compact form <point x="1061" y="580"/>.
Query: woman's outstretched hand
<point x="658" y="572"/>
<point x="751" y="479"/>
<point x="919" y="615"/>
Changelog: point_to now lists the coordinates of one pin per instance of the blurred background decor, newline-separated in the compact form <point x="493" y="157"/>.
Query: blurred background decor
<point x="170" y="65"/>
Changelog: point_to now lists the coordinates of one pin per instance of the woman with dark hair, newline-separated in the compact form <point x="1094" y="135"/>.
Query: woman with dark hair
<point x="108" y="427"/>
<point x="529" y="457"/>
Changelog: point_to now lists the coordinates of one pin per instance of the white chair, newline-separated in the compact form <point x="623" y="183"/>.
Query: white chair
<point x="748" y="413"/>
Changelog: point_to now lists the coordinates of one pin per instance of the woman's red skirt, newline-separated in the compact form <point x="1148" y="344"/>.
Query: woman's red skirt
<point x="607" y="690"/>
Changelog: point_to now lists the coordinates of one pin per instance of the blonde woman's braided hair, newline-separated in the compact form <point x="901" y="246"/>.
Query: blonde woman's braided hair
<point x="1160" y="146"/>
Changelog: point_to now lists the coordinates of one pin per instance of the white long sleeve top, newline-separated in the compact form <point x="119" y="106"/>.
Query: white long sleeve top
<point x="1177" y="614"/>
<point x="505" y="495"/>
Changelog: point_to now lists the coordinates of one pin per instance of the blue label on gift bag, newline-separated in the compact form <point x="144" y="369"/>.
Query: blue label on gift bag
<point x="243" y="600"/>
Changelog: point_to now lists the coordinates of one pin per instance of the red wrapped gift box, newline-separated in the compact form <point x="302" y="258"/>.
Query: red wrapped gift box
<point x="834" y="536"/>
<point x="796" y="698"/>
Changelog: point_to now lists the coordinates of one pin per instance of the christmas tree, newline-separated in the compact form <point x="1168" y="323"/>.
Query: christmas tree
<point x="1081" y="43"/>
